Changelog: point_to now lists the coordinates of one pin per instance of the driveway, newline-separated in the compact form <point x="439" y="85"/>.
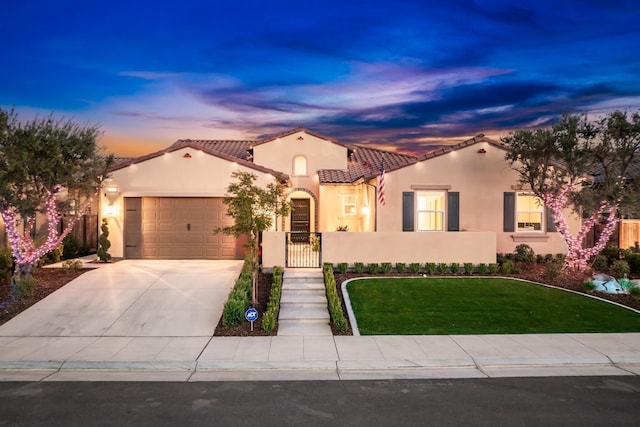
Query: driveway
<point x="133" y="298"/>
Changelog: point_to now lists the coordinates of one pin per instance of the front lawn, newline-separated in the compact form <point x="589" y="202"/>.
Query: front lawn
<point x="438" y="306"/>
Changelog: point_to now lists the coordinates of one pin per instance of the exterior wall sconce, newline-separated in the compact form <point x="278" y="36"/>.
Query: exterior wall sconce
<point x="365" y="210"/>
<point x="111" y="190"/>
<point x="110" y="210"/>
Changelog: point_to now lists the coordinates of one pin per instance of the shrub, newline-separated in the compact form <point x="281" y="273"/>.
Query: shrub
<point x="335" y="306"/>
<point x="441" y="268"/>
<point x="559" y="257"/>
<point x="524" y="253"/>
<point x="431" y="267"/>
<point x="620" y="268"/>
<point x="239" y="297"/>
<point x="589" y="285"/>
<point x="454" y="267"/>
<point x="385" y="267"/>
<point x="26" y="287"/>
<point x="71" y="264"/>
<point x="548" y="258"/>
<point x="634" y="262"/>
<point x="539" y="259"/>
<point x="468" y="268"/>
<point x="414" y="267"/>
<point x="482" y="268"/>
<point x="54" y="256"/>
<point x="494" y="267"/>
<point x="358" y="267"/>
<point x="400" y="267"/>
<point x="270" y="315"/>
<point x="343" y="267"/>
<point x="635" y="291"/>
<point x="373" y="268"/>
<point x="599" y="263"/>
<point x="70" y="247"/>
<point x="500" y="258"/>
<point x="552" y="270"/>
<point x="613" y="253"/>
<point x="6" y="264"/>
<point x="509" y="267"/>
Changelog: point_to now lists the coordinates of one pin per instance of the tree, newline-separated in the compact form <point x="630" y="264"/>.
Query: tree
<point x="254" y="209"/>
<point x="583" y="165"/>
<point x="47" y="166"/>
<point x="103" y="240"/>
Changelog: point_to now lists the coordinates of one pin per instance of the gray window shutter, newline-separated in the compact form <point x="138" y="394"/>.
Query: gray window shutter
<point x="509" y="211"/>
<point x="548" y="217"/>
<point x="453" y="211"/>
<point x="407" y="211"/>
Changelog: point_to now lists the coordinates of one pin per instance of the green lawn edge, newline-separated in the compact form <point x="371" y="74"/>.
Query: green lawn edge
<point x="478" y="305"/>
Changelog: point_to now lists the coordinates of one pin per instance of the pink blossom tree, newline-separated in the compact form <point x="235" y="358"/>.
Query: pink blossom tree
<point x="582" y="165"/>
<point x="46" y="165"/>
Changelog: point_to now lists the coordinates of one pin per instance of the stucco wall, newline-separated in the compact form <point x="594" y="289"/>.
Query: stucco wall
<point x="171" y="175"/>
<point x="481" y="179"/>
<point x="475" y="247"/>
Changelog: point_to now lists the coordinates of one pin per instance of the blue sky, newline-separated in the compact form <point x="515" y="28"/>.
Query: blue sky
<point x="394" y="74"/>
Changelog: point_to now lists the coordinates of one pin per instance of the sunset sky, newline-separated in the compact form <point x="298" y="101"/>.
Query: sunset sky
<point x="394" y="74"/>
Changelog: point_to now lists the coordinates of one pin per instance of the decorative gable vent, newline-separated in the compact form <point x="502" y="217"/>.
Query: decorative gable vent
<point x="186" y="156"/>
<point x="300" y="138"/>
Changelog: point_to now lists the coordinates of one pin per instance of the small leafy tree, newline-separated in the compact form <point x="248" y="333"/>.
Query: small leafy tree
<point x="583" y="165"/>
<point x="45" y="165"/>
<point x="254" y="210"/>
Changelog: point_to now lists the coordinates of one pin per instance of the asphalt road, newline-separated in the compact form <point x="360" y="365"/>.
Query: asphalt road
<point x="575" y="401"/>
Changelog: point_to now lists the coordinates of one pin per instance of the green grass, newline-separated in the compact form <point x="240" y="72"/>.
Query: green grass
<point x="430" y="306"/>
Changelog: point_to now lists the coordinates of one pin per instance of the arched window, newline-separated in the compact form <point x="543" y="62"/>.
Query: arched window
<point x="300" y="166"/>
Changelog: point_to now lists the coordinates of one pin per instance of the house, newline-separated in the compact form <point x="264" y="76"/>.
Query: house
<point x="458" y="203"/>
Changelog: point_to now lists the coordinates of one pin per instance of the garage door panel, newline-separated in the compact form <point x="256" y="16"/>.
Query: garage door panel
<point x="180" y="228"/>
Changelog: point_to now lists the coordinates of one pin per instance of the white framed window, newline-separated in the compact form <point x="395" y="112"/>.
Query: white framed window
<point x="529" y="213"/>
<point x="430" y="210"/>
<point x="349" y="207"/>
<point x="300" y="166"/>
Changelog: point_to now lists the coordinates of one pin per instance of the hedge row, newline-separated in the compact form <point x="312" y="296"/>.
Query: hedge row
<point x="335" y="306"/>
<point x="270" y="316"/>
<point x="239" y="298"/>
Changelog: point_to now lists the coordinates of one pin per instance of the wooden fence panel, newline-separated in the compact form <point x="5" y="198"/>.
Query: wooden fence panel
<point x="629" y="233"/>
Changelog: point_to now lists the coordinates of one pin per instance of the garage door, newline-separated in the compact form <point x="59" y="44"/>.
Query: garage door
<point x="177" y="228"/>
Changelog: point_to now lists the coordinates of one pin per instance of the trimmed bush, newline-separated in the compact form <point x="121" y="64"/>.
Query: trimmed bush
<point x="373" y="268"/>
<point x="599" y="263"/>
<point x="454" y="267"/>
<point x="494" y="267"/>
<point x="482" y="268"/>
<point x="239" y="297"/>
<point x="441" y="268"/>
<point x="524" y="253"/>
<point x="634" y="262"/>
<point x="400" y="267"/>
<point x="343" y="267"/>
<point x="70" y="247"/>
<point x="385" y="267"/>
<point x="270" y="316"/>
<point x="539" y="259"/>
<point x="468" y="268"/>
<point x="414" y="267"/>
<point x="335" y="306"/>
<point x="509" y="267"/>
<point x="358" y="267"/>
<point x="552" y="270"/>
<point x="620" y="268"/>
<point x="430" y="267"/>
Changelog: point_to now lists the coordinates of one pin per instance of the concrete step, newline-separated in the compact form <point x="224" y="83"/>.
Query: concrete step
<point x="314" y="280"/>
<point x="302" y="285"/>
<point x="302" y="313"/>
<point x="305" y="296"/>
<point x="291" y="327"/>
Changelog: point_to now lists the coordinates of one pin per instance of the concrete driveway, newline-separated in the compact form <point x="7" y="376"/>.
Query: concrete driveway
<point x="122" y="304"/>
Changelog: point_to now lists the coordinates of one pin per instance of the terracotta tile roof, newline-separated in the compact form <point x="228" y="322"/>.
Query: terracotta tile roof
<point x="365" y="162"/>
<point x="234" y="151"/>
<point x="449" y="148"/>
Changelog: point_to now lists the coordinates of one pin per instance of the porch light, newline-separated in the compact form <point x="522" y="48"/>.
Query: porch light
<point x="365" y="210"/>
<point x="111" y="190"/>
<point x="110" y="210"/>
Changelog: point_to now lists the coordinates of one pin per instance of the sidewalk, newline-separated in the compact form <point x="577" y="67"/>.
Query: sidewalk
<point x="316" y="357"/>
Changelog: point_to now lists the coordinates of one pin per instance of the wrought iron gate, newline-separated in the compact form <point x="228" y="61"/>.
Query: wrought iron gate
<point x="304" y="250"/>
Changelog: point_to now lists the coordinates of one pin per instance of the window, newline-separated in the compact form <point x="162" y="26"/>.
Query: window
<point x="300" y="166"/>
<point x="529" y="212"/>
<point x="430" y="210"/>
<point x="348" y="205"/>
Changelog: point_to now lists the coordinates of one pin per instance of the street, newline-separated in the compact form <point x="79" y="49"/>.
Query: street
<point x="566" y="401"/>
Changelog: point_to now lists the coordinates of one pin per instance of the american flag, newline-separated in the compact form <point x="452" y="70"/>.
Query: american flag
<point x="381" y="198"/>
